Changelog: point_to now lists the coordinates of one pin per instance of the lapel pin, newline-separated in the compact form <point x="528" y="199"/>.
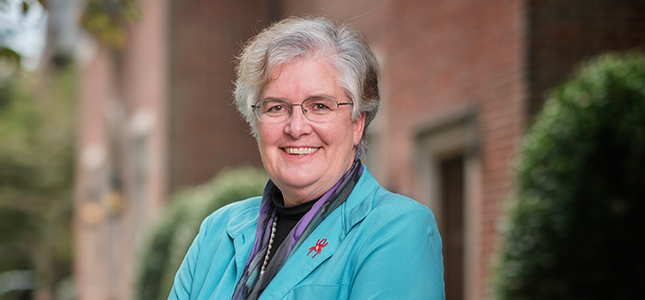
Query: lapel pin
<point x="318" y="247"/>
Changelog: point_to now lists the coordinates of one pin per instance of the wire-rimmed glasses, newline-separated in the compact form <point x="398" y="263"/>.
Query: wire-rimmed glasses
<point x="316" y="109"/>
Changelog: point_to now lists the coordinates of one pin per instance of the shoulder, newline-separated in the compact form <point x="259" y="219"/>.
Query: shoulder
<point x="396" y="247"/>
<point x="376" y="203"/>
<point x="376" y="212"/>
<point x="236" y="213"/>
<point x="398" y="210"/>
<point x="239" y="206"/>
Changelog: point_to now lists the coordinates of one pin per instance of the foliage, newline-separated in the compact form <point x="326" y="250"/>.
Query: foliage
<point x="574" y="230"/>
<point x="26" y="4"/>
<point x="12" y="57"/>
<point x="7" y="54"/>
<point x="36" y="175"/>
<point x="180" y="223"/>
<point x="107" y="20"/>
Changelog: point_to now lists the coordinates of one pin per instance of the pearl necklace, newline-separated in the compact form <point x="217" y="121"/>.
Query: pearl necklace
<point x="266" y="257"/>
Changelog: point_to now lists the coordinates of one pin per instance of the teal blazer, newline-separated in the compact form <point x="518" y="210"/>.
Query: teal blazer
<point x="379" y="245"/>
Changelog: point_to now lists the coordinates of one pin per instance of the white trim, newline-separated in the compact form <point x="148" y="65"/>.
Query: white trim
<point x="442" y="138"/>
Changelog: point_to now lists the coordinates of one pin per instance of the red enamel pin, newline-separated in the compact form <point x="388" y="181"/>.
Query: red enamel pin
<point x="318" y="247"/>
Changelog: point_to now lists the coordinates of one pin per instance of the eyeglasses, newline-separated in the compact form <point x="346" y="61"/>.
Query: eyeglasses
<point x="315" y="109"/>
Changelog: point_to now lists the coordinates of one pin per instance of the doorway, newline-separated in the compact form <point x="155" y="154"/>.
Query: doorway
<point x="452" y="227"/>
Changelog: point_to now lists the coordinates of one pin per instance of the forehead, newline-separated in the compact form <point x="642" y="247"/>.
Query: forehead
<point x="307" y="77"/>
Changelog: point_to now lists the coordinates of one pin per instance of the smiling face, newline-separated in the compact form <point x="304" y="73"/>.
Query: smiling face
<point x="303" y="158"/>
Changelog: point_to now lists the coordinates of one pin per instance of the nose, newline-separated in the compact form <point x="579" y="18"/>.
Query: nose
<point x="298" y="124"/>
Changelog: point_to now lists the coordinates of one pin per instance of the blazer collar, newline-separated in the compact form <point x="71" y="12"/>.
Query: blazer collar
<point x="360" y="201"/>
<point x="242" y="233"/>
<point x="329" y="233"/>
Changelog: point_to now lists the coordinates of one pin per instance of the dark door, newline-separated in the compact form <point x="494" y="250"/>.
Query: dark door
<point x="452" y="227"/>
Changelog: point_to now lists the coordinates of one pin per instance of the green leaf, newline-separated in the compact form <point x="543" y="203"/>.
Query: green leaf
<point x="10" y="55"/>
<point x="572" y="222"/>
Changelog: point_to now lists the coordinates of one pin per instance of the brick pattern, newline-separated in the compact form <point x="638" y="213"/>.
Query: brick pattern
<point x="116" y="91"/>
<point x="447" y="55"/>
<point x="563" y="33"/>
<point x="206" y="133"/>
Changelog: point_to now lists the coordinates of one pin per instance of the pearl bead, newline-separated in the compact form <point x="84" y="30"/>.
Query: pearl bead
<point x="266" y="257"/>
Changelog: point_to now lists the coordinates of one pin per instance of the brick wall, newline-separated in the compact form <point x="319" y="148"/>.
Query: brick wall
<point x="121" y="175"/>
<point x="445" y="56"/>
<point x="563" y="33"/>
<point x="206" y="133"/>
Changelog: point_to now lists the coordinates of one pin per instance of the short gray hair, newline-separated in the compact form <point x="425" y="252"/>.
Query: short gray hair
<point x="297" y="38"/>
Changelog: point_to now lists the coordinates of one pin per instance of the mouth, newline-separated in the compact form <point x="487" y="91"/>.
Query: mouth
<point x="300" y="151"/>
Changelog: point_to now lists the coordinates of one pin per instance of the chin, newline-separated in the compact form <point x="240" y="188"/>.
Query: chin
<point x="299" y="182"/>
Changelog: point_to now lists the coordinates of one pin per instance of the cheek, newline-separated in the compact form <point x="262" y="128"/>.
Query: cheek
<point x="340" y="136"/>
<point x="264" y="140"/>
<point x="266" y="134"/>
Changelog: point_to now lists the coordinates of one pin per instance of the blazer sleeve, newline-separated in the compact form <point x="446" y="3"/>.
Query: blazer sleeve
<point x="181" y="289"/>
<point x="401" y="257"/>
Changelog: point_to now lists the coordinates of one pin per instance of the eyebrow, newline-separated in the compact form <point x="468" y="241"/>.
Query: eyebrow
<point x="323" y="96"/>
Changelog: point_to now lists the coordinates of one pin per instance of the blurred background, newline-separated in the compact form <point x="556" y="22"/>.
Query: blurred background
<point x="118" y="132"/>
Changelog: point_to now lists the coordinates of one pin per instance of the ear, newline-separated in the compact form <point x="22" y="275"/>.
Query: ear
<point x="359" y="126"/>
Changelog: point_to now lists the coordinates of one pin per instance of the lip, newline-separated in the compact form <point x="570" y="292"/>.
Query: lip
<point x="300" y="151"/>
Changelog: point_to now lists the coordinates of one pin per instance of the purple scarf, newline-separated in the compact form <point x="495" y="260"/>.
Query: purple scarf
<point x="251" y="284"/>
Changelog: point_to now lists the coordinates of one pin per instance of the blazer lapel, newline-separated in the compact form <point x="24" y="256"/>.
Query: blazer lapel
<point x="324" y="240"/>
<point x="329" y="235"/>
<point x="320" y="245"/>
<point x="243" y="236"/>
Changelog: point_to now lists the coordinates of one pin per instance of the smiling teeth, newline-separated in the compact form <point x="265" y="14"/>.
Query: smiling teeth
<point x="300" y="151"/>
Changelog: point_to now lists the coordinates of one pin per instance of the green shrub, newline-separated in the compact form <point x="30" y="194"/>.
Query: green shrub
<point x="37" y="127"/>
<point x="180" y="223"/>
<point x="575" y="227"/>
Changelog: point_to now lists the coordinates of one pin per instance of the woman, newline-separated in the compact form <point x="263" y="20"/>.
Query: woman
<point x="324" y="228"/>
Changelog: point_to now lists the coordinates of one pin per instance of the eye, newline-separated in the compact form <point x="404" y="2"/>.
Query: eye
<point x="319" y="106"/>
<point x="275" y="107"/>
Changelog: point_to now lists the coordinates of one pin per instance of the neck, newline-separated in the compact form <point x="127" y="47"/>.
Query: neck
<point x="294" y="196"/>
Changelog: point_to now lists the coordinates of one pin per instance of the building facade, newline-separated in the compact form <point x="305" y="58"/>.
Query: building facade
<point x="461" y="82"/>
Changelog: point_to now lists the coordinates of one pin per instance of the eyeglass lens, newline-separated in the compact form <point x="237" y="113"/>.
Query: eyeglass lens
<point x="278" y="110"/>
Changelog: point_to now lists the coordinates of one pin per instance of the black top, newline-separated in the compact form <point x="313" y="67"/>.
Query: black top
<point x="288" y="217"/>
